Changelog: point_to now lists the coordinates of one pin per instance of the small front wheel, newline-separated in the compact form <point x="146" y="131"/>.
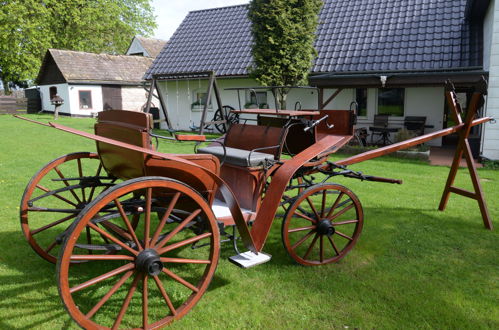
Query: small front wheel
<point x="322" y="225"/>
<point x="144" y="276"/>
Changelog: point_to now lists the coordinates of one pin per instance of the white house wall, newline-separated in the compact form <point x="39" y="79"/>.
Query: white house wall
<point x="133" y="98"/>
<point x="419" y="101"/>
<point x="62" y="91"/>
<point x="97" y="105"/>
<point x="490" y="148"/>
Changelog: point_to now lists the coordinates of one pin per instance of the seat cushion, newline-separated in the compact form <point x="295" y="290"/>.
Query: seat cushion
<point x="237" y="157"/>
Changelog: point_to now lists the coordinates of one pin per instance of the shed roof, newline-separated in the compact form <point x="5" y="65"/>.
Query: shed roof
<point x="82" y="67"/>
<point x="353" y="36"/>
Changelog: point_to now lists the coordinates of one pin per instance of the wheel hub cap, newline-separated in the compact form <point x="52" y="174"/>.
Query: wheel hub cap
<point x="148" y="261"/>
<point x="324" y="227"/>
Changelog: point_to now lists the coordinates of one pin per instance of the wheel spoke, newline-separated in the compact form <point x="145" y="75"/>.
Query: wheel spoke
<point x="105" y="257"/>
<point x="346" y="222"/>
<point x="294" y="230"/>
<point x="301" y="215"/>
<point x="80" y="172"/>
<point x="128" y="224"/>
<point x="108" y="295"/>
<point x="311" y="246"/>
<point x="323" y="206"/>
<point x="162" y="223"/>
<point x="112" y="238"/>
<point x="185" y="261"/>
<point x="50" y="247"/>
<point x="56" y="169"/>
<point x="303" y="239"/>
<point x="343" y="235"/>
<point x="102" y="277"/>
<point x="343" y="211"/>
<point x="55" y="223"/>
<point x="116" y="230"/>
<point x="184" y="242"/>
<point x="338" y="199"/>
<point x="180" y="279"/>
<point x="56" y="195"/>
<point x="313" y="208"/>
<point x="333" y="245"/>
<point x="126" y="302"/>
<point x="165" y="295"/>
<point x="147" y="220"/>
<point x="145" y="301"/>
<point x="177" y="229"/>
<point x="97" y="174"/>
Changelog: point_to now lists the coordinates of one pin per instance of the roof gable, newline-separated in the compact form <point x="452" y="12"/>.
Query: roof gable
<point x="361" y="35"/>
<point x="82" y="67"/>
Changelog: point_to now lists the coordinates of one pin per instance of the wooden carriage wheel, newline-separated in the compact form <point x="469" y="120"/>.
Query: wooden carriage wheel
<point x="322" y="225"/>
<point x="54" y="197"/>
<point x="144" y="277"/>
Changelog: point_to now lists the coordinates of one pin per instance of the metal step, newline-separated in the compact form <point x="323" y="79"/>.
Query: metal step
<point x="249" y="259"/>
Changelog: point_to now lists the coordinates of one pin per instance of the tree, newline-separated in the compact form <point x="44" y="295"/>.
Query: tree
<point x="283" y="42"/>
<point x="29" y="27"/>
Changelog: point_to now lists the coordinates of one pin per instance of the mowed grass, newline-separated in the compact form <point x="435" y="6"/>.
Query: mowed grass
<point x="413" y="267"/>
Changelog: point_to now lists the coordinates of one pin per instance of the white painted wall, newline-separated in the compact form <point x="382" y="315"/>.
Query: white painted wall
<point x="488" y="25"/>
<point x="133" y="98"/>
<point x="70" y="95"/>
<point x="179" y="95"/>
<point x="62" y="91"/>
<point x="490" y="147"/>
<point x="97" y="105"/>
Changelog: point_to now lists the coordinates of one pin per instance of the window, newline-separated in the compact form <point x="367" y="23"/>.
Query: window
<point x="391" y="101"/>
<point x="52" y="92"/>
<point x="256" y="100"/>
<point x="361" y="99"/>
<point x="85" y="99"/>
<point x="200" y="99"/>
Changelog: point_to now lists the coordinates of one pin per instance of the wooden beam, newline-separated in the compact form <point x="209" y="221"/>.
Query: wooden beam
<point x="323" y="105"/>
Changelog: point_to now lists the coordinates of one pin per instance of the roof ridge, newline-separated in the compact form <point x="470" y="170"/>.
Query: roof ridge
<point x="218" y="8"/>
<point x="94" y="54"/>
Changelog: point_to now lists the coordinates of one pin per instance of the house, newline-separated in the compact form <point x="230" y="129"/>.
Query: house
<point x="89" y="83"/>
<point x="389" y="56"/>
<point x="148" y="47"/>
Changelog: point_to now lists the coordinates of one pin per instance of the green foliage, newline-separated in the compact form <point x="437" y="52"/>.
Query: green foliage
<point x="283" y="38"/>
<point x="29" y="27"/>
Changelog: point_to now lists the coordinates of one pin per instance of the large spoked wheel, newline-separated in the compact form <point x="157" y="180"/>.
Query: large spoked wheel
<point x="225" y="114"/>
<point x="322" y="225"/>
<point x="143" y="277"/>
<point x="54" y="197"/>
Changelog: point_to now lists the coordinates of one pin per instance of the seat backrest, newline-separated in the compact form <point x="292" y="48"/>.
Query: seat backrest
<point x="414" y="123"/>
<point x="125" y="126"/>
<point x="381" y="120"/>
<point x="250" y="137"/>
<point x="343" y="121"/>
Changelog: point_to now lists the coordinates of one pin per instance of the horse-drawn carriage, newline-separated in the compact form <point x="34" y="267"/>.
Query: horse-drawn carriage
<point x="129" y="218"/>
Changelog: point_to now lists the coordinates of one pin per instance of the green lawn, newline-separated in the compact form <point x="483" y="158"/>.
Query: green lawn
<point x="413" y="267"/>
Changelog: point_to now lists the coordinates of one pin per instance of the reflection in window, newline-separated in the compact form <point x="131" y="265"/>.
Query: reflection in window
<point x="200" y="99"/>
<point x="391" y="101"/>
<point x="361" y="99"/>
<point x="256" y="100"/>
<point x="85" y="99"/>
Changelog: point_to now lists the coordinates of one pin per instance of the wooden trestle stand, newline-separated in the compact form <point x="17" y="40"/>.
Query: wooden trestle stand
<point x="463" y="148"/>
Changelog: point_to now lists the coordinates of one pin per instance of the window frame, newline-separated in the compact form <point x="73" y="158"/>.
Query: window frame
<point x="356" y="100"/>
<point x="90" y="98"/>
<point x="404" y="103"/>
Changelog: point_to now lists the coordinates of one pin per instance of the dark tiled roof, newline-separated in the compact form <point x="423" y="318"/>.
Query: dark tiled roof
<point x="353" y="36"/>
<point x="215" y="39"/>
<point x="88" y="67"/>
